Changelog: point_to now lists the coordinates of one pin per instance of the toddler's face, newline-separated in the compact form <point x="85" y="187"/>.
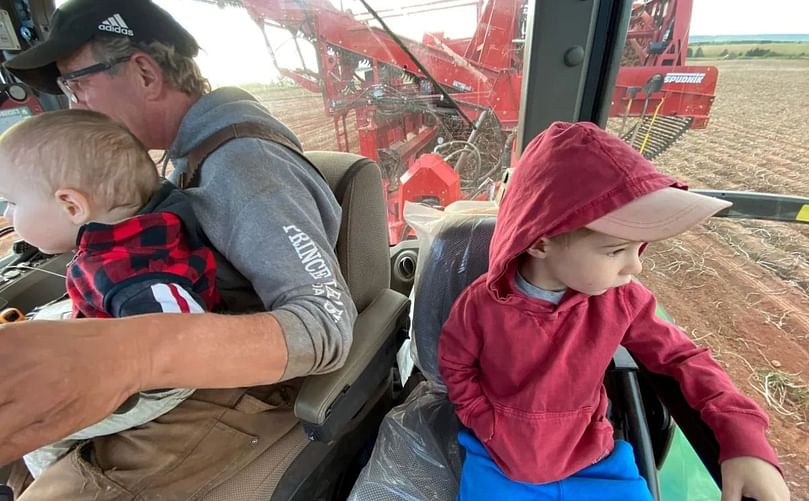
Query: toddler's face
<point x="37" y="216"/>
<point x="593" y="263"/>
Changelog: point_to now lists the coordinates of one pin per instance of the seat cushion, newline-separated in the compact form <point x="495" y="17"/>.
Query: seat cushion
<point x="362" y="245"/>
<point x="458" y="255"/>
<point x="416" y="455"/>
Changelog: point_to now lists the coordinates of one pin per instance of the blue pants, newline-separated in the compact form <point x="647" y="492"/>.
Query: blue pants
<point x="614" y="478"/>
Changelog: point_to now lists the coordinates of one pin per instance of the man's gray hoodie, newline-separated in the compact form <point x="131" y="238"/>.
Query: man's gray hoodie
<point x="275" y="222"/>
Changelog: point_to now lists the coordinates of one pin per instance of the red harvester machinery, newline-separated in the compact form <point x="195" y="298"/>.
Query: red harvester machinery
<point x="439" y="115"/>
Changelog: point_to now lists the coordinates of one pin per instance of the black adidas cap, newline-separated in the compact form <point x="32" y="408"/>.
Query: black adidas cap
<point x="76" y="22"/>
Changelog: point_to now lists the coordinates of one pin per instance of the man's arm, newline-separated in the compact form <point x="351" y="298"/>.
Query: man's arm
<point x="276" y="221"/>
<point x="57" y="377"/>
<point x="196" y="351"/>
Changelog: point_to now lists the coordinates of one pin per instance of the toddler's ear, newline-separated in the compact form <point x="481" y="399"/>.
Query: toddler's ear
<point x="75" y="204"/>
<point x="539" y="248"/>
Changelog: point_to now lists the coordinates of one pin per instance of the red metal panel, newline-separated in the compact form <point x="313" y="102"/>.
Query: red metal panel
<point x="415" y="144"/>
<point x="687" y="91"/>
<point x="492" y="44"/>
<point x="430" y="179"/>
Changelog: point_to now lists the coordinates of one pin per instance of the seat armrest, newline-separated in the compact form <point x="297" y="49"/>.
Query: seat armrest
<point x="327" y="402"/>
<point x="622" y="360"/>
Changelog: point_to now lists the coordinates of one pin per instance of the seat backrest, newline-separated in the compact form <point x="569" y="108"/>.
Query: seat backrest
<point x="362" y="245"/>
<point x="458" y="255"/>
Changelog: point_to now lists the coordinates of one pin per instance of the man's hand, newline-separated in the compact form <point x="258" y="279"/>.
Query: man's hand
<point x="57" y="377"/>
<point x="754" y="478"/>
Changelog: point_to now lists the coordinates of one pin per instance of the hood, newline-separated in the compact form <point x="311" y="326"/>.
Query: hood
<point x="568" y="176"/>
<point x="170" y="199"/>
<point x="130" y="232"/>
<point x="220" y="108"/>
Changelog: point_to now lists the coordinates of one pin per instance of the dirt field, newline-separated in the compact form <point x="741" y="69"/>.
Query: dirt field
<point x="303" y="112"/>
<point x="739" y="287"/>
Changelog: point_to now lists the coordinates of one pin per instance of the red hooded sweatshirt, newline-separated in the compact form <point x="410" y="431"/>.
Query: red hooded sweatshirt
<point x="527" y="375"/>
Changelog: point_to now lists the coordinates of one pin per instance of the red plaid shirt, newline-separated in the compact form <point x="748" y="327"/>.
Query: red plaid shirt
<point x="147" y="263"/>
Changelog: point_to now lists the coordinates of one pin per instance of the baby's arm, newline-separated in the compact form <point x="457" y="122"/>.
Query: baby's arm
<point x="140" y="296"/>
<point x="458" y="358"/>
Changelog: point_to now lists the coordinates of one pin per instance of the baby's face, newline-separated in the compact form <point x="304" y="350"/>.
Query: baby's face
<point x="594" y="263"/>
<point x="37" y="216"/>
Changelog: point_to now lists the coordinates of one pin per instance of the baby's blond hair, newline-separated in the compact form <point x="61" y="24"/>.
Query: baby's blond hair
<point x="82" y="150"/>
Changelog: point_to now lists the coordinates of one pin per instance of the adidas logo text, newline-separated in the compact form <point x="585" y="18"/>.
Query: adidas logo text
<point x="116" y="24"/>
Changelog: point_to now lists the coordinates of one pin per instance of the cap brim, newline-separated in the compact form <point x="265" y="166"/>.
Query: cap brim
<point x="659" y="215"/>
<point x="37" y="65"/>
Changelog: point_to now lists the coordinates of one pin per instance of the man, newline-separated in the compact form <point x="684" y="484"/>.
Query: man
<point x="275" y="223"/>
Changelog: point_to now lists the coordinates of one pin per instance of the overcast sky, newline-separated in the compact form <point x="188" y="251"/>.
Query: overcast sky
<point x="749" y="17"/>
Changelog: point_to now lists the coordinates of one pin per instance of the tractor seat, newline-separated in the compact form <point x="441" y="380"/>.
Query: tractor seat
<point x="416" y="455"/>
<point x="341" y="409"/>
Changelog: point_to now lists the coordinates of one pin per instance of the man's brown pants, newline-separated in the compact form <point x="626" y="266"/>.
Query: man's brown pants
<point x="217" y="445"/>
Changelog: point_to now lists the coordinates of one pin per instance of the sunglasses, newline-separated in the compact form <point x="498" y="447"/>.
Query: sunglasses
<point x="63" y="81"/>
